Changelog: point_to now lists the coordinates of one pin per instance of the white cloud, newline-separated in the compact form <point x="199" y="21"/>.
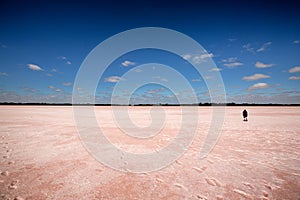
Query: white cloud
<point x="156" y="91"/>
<point x="215" y="69"/>
<point x="255" y="77"/>
<point x="232" y="59"/>
<point x="49" y="75"/>
<point x="65" y="59"/>
<point x="53" y="70"/>
<point x="54" y="88"/>
<point x="3" y="74"/>
<point x="113" y="79"/>
<point x="294" y="78"/>
<point x="34" y="67"/>
<point x="29" y="89"/>
<point x="234" y="64"/>
<point x="62" y="58"/>
<point x="127" y="63"/>
<point x="160" y="78"/>
<point x="67" y="84"/>
<point x="258" y="86"/>
<point x="249" y="48"/>
<point x="198" y="58"/>
<point x="196" y="80"/>
<point x="296" y="42"/>
<point x="264" y="47"/>
<point x="208" y="77"/>
<point x="263" y="65"/>
<point x="294" y="69"/>
<point x="138" y="70"/>
<point x="206" y="55"/>
<point x="202" y="57"/>
<point x="187" y="56"/>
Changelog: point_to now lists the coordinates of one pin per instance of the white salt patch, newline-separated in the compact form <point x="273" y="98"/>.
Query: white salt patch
<point x="180" y="186"/>
<point x="249" y="185"/>
<point x="210" y="182"/>
<point x="198" y="169"/>
<point x="210" y="161"/>
<point x="178" y="162"/>
<point x="159" y="180"/>
<point x="242" y="193"/>
<point x="217" y="182"/>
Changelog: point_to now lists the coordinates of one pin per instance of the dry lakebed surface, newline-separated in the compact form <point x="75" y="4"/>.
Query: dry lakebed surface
<point x="42" y="156"/>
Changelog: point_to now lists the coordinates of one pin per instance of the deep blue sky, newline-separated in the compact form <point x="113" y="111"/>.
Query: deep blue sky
<point x="255" y="44"/>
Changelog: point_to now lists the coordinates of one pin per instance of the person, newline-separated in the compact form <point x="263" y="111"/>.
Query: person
<point x="245" y="115"/>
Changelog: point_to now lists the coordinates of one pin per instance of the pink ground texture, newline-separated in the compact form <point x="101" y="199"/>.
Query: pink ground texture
<point x="42" y="156"/>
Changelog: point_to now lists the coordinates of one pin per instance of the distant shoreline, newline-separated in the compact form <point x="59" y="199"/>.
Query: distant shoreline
<point x="199" y="104"/>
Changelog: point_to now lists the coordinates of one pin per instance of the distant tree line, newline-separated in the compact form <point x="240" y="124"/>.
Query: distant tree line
<point x="159" y="104"/>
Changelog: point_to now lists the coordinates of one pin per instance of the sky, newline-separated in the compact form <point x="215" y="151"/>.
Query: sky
<point x="255" y="47"/>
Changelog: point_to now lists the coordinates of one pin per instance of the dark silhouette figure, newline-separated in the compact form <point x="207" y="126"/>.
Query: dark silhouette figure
<point x="245" y="115"/>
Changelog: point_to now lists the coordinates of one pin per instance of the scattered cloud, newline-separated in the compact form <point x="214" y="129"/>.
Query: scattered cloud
<point x="65" y="59"/>
<point x="255" y="77"/>
<point x="3" y="74"/>
<point x="29" y="89"/>
<point x="231" y="59"/>
<point x="187" y="56"/>
<point x="232" y="62"/>
<point x="202" y="58"/>
<point x="208" y="77"/>
<point x="258" y="86"/>
<point x="263" y="65"/>
<point x="34" y="67"/>
<point x="215" y="69"/>
<point x="67" y="84"/>
<point x="294" y="78"/>
<point x="113" y="79"/>
<point x="138" y="70"/>
<point x="294" y="69"/>
<point x="196" y="80"/>
<point x="160" y="78"/>
<point x="62" y="58"/>
<point x="127" y="63"/>
<point x="198" y="58"/>
<point x="156" y="91"/>
<point x="54" y="88"/>
<point x="48" y="74"/>
<point x="53" y="70"/>
<point x="296" y="42"/>
<point x="264" y="47"/>
<point x="249" y="48"/>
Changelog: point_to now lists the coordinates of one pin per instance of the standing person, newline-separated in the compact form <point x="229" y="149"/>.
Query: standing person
<point x="245" y="115"/>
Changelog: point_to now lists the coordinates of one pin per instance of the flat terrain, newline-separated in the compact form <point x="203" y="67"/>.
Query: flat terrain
<point x="42" y="156"/>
